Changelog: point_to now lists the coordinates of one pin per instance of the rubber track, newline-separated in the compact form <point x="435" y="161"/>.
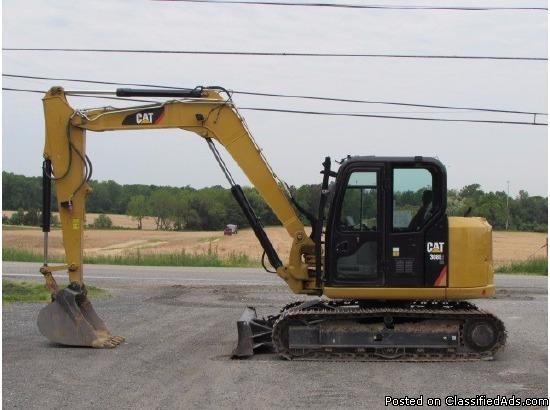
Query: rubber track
<point x="464" y="311"/>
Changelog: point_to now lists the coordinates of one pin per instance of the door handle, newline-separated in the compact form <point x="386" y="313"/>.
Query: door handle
<point x="342" y="247"/>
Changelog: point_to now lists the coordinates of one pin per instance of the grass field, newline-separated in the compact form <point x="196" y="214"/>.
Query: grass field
<point x="20" y="291"/>
<point x="128" y="242"/>
<point x="212" y="247"/>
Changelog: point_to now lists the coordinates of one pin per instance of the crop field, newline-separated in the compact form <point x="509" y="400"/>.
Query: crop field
<point x="507" y="246"/>
<point x="122" y="221"/>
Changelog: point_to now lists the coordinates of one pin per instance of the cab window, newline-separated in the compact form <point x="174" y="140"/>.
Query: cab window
<point x="359" y="206"/>
<point x="413" y="198"/>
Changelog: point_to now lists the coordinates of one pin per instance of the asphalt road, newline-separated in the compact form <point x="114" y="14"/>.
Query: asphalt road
<point x="180" y="329"/>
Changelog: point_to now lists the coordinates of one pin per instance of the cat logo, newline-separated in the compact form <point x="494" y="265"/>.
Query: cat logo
<point x="435" y="247"/>
<point x="150" y="116"/>
<point x="144" y="118"/>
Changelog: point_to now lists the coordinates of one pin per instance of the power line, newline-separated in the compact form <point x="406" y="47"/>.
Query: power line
<point x="86" y="81"/>
<point x="319" y="112"/>
<point x="388" y="116"/>
<point x="362" y="6"/>
<point x="308" y="97"/>
<point x="390" y="103"/>
<point x="275" y="54"/>
<point x="79" y="95"/>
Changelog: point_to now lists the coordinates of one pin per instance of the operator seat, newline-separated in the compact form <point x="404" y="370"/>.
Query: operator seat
<point x="423" y="213"/>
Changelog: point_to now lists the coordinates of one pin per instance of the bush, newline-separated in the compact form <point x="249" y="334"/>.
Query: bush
<point x="17" y="218"/>
<point x="102" y="222"/>
<point x="32" y="218"/>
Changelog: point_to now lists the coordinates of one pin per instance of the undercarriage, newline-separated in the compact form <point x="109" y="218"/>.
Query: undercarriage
<point x="373" y="331"/>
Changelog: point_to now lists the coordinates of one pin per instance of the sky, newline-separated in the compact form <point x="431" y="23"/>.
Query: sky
<point x="295" y="145"/>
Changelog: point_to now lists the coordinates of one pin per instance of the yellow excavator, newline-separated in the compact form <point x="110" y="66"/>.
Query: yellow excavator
<point x="386" y="270"/>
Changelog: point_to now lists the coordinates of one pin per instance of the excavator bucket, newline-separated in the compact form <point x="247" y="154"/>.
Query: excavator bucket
<point x="71" y="320"/>
<point x="253" y="334"/>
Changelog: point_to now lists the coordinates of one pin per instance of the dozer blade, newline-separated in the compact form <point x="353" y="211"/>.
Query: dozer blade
<point x="253" y="335"/>
<point x="71" y="320"/>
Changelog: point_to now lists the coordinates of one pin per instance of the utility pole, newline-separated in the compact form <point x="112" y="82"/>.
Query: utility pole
<point x="507" y="203"/>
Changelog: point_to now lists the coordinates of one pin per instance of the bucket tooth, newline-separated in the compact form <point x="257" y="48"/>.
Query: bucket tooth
<point x="253" y="334"/>
<point x="71" y="320"/>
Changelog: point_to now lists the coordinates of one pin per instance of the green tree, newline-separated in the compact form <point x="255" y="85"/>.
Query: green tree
<point x="181" y="211"/>
<point x="19" y="191"/>
<point x="214" y="207"/>
<point x="492" y="206"/>
<point x="529" y="213"/>
<point x="137" y="209"/>
<point x="102" y="222"/>
<point x="161" y="205"/>
<point x="456" y="205"/>
<point x="208" y="203"/>
<point x="307" y="197"/>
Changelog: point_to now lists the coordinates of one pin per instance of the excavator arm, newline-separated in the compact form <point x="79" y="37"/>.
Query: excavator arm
<point x="202" y="111"/>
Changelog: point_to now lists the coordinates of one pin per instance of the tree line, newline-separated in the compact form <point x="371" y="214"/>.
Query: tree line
<point x="211" y="208"/>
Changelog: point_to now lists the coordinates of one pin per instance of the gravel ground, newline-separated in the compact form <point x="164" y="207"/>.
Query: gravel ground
<point x="180" y="336"/>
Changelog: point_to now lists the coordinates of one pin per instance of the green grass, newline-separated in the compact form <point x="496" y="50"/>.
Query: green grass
<point x="207" y="259"/>
<point x="19" y="228"/>
<point x="18" y="291"/>
<point x="532" y="266"/>
<point x="23" y="255"/>
<point x="210" y="259"/>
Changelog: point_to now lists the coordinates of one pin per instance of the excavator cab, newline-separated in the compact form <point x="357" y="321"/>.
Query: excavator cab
<point x="383" y="212"/>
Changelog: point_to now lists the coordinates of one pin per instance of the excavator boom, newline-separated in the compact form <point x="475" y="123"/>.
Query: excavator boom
<point x="202" y="111"/>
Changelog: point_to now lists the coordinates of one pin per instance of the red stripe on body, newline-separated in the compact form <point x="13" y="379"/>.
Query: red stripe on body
<point x="442" y="277"/>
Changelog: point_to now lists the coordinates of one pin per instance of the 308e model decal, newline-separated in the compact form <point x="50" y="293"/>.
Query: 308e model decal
<point x="435" y="250"/>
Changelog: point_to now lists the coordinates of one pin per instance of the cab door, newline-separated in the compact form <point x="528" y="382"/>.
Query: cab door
<point x="418" y="219"/>
<point x="355" y="240"/>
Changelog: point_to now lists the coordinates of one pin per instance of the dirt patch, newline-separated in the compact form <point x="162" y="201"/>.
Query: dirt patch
<point x="516" y="294"/>
<point x="217" y="297"/>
